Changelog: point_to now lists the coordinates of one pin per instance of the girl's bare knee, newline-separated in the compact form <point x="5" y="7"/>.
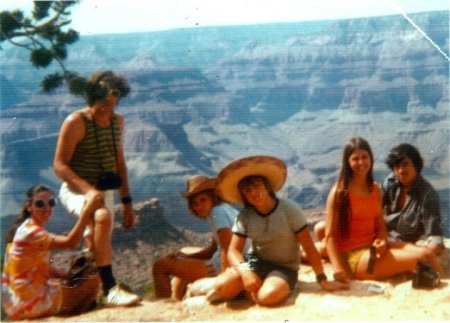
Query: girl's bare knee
<point x="220" y="284"/>
<point x="228" y="284"/>
<point x="272" y="295"/>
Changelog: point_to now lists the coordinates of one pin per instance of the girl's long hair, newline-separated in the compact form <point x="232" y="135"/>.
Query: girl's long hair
<point x="24" y="213"/>
<point x="342" y="202"/>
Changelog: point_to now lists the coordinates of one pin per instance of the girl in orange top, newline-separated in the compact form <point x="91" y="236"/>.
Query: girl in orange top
<point x="28" y="290"/>
<point x="355" y="223"/>
<point x="362" y="228"/>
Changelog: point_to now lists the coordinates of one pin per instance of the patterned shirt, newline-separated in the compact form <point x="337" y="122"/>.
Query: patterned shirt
<point x="26" y="289"/>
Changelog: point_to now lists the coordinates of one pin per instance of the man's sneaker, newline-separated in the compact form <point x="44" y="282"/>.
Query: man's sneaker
<point x="118" y="296"/>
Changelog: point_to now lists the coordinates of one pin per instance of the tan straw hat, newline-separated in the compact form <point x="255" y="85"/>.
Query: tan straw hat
<point x="197" y="184"/>
<point x="266" y="166"/>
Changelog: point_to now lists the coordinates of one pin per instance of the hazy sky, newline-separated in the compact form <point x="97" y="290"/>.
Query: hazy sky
<point x="124" y="16"/>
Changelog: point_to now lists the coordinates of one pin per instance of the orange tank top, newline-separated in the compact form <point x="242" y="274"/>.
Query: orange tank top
<point x="364" y="213"/>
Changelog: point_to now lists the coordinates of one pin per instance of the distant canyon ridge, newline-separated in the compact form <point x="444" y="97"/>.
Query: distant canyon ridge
<point x="203" y="97"/>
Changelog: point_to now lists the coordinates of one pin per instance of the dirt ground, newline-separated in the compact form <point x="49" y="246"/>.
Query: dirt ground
<point x="366" y="300"/>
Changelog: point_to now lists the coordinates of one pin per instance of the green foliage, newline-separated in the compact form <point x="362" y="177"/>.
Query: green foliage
<point x="9" y="21"/>
<point x="52" y="81"/>
<point x="77" y="83"/>
<point x="68" y="37"/>
<point x="41" y="8"/>
<point x="45" y="36"/>
<point x="41" y="57"/>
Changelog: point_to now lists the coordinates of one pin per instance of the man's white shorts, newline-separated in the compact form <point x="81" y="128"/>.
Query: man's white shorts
<point x="74" y="202"/>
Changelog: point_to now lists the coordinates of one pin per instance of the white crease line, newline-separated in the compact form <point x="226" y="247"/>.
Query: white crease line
<point x="395" y="6"/>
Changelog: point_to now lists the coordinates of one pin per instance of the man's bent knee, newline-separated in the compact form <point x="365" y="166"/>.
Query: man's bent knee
<point x="103" y="216"/>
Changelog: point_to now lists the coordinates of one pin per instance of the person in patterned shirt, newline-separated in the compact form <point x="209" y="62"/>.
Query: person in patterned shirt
<point x="31" y="286"/>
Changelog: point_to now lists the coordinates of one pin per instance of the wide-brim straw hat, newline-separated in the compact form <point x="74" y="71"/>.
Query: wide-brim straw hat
<point x="197" y="184"/>
<point x="272" y="168"/>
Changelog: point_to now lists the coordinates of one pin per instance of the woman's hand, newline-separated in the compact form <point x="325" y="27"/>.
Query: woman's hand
<point x="94" y="199"/>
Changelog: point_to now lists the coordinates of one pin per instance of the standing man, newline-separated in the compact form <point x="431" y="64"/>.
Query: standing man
<point x="89" y="159"/>
<point x="411" y="204"/>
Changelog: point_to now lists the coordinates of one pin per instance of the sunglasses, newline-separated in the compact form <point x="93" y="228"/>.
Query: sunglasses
<point x="115" y="93"/>
<point x="43" y="203"/>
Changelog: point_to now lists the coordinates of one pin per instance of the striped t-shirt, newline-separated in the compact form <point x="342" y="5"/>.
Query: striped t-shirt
<point x="88" y="159"/>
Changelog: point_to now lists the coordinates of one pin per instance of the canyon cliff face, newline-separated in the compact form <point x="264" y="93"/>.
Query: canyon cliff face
<point x="204" y="97"/>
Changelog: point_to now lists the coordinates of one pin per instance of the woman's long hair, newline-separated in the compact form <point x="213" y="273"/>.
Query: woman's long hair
<point x="24" y="213"/>
<point x="342" y="203"/>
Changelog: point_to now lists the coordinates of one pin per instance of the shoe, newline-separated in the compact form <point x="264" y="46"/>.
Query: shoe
<point x="118" y="296"/>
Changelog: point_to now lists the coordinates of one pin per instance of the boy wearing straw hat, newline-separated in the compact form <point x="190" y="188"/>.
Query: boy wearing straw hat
<point x="276" y="227"/>
<point x="193" y="264"/>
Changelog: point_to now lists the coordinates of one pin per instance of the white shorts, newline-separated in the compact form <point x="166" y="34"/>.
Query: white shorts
<point x="74" y="202"/>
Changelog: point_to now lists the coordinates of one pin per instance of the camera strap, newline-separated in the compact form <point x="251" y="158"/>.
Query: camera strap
<point x="98" y="144"/>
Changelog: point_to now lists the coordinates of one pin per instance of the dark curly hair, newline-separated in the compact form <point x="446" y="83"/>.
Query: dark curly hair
<point x="101" y="83"/>
<point x="402" y="151"/>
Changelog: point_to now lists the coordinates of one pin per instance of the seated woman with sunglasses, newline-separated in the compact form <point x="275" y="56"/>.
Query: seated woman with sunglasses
<point x="28" y="287"/>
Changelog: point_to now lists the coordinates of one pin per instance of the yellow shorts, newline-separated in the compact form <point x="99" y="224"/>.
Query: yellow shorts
<point x="354" y="256"/>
